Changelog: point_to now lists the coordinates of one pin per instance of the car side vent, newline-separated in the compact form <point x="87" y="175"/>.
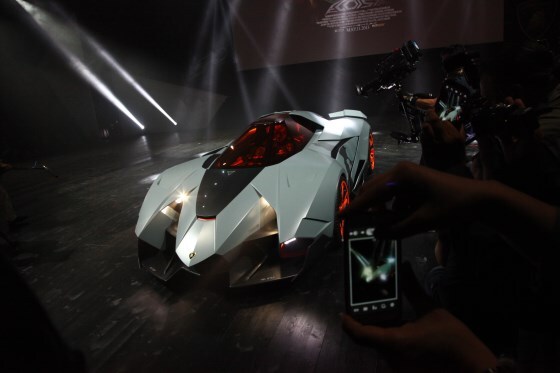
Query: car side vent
<point x="337" y="147"/>
<point x="208" y="162"/>
<point x="307" y="123"/>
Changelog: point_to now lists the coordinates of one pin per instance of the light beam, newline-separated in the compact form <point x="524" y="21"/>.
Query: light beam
<point x="109" y="59"/>
<point x="37" y="17"/>
<point x="124" y="74"/>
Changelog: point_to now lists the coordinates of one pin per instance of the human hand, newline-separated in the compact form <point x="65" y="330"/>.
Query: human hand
<point x="426" y="103"/>
<point x="424" y="199"/>
<point x="443" y="144"/>
<point x="517" y="102"/>
<point x="4" y="167"/>
<point x="435" y="341"/>
<point x="527" y="126"/>
<point x="507" y="139"/>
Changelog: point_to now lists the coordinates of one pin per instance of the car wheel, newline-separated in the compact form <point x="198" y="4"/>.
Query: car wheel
<point x="342" y="200"/>
<point x="371" y="152"/>
<point x="371" y="157"/>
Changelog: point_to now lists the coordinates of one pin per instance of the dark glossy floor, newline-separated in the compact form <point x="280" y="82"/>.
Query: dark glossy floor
<point x="78" y="253"/>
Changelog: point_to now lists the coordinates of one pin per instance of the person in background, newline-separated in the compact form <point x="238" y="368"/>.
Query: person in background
<point x="497" y="235"/>
<point x="29" y="342"/>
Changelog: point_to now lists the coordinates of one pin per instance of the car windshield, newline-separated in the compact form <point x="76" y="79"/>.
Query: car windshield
<point x="268" y="141"/>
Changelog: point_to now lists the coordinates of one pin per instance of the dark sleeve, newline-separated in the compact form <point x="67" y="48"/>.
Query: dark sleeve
<point x="29" y="341"/>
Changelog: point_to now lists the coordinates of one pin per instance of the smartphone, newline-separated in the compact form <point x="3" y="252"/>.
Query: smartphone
<point x="454" y="101"/>
<point x="372" y="270"/>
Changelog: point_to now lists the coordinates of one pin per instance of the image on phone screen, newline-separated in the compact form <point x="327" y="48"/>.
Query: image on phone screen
<point x="373" y="280"/>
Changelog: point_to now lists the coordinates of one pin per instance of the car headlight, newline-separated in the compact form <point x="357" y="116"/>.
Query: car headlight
<point x="173" y="210"/>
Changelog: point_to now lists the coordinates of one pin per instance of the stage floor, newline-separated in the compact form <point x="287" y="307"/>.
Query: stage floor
<point x="78" y="253"/>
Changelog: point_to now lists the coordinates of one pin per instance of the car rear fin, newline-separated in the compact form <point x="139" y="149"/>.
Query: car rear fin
<point x="347" y="113"/>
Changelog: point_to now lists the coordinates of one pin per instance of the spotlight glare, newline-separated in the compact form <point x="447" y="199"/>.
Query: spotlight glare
<point x="100" y="86"/>
<point x="126" y="76"/>
<point x="76" y="64"/>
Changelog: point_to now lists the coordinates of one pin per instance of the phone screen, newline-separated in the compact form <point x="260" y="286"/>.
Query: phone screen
<point x="454" y="95"/>
<point x="372" y="274"/>
<point x="451" y="98"/>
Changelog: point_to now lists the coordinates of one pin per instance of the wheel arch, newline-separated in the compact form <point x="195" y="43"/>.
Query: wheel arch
<point x="322" y="207"/>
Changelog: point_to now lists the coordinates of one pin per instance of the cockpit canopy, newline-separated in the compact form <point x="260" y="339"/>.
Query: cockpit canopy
<point x="267" y="141"/>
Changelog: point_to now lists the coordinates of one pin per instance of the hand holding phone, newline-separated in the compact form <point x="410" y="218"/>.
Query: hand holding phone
<point x="435" y="341"/>
<point x="371" y="273"/>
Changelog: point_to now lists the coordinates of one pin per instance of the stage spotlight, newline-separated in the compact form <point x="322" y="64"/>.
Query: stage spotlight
<point x="86" y="73"/>
<point x="122" y="72"/>
<point x="106" y="56"/>
<point x="39" y="19"/>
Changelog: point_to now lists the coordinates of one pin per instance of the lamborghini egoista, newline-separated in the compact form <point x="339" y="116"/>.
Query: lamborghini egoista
<point x="262" y="207"/>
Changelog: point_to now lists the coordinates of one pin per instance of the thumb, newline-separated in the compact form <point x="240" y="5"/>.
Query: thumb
<point x="367" y="334"/>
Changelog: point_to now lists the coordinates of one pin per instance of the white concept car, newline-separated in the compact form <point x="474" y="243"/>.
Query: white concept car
<point x="262" y="207"/>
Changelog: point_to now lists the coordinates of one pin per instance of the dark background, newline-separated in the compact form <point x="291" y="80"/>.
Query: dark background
<point x="78" y="251"/>
<point x="182" y="53"/>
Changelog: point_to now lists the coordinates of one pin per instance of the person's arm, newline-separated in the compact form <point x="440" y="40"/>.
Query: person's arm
<point x="436" y="341"/>
<point x="425" y="103"/>
<point x="438" y="200"/>
<point x="4" y="167"/>
<point x="443" y="144"/>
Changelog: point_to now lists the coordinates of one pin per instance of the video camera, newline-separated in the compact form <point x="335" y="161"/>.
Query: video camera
<point x="393" y="69"/>
<point x="459" y="95"/>
<point x="505" y="119"/>
<point x="459" y="100"/>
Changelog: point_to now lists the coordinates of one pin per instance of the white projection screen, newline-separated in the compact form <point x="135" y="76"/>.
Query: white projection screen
<point x="281" y="32"/>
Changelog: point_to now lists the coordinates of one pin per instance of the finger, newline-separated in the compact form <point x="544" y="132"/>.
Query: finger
<point x="436" y="127"/>
<point x="519" y="103"/>
<point x="382" y="188"/>
<point x="508" y="100"/>
<point x="373" y="194"/>
<point x="462" y="132"/>
<point x="431" y="120"/>
<point x="427" y="134"/>
<point x="445" y="130"/>
<point x="369" y="334"/>
<point x="431" y="116"/>
<point x="405" y="224"/>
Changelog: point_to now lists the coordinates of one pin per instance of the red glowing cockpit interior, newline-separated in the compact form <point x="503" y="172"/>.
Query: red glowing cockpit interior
<point x="268" y="141"/>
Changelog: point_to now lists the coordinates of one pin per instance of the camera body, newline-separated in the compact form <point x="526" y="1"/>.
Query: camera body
<point x="372" y="270"/>
<point x="505" y="120"/>
<point x="393" y="69"/>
